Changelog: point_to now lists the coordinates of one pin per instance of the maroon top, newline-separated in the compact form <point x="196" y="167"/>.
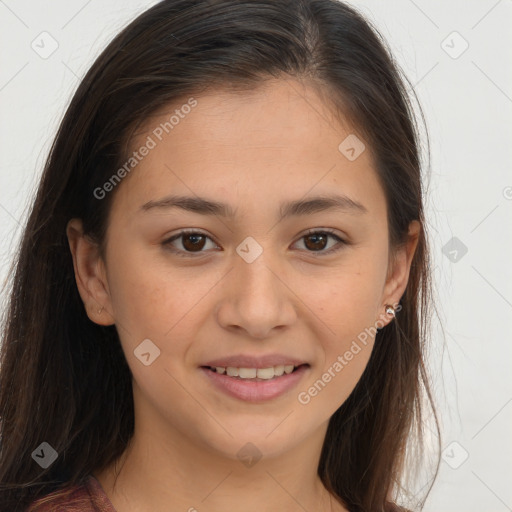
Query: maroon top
<point x="87" y="497"/>
<point x="90" y="497"/>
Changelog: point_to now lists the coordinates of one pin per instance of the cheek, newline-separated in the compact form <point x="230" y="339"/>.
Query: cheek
<point x="348" y="308"/>
<point x="152" y="300"/>
<point x="348" y="300"/>
<point x="151" y="303"/>
<point x="348" y="303"/>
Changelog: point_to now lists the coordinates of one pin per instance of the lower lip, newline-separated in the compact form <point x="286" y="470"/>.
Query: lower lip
<point x="256" y="391"/>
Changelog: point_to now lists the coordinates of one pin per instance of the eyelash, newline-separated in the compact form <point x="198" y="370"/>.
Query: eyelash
<point x="188" y="254"/>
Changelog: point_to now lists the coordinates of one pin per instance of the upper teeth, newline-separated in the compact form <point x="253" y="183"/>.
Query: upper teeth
<point x="252" y="373"/>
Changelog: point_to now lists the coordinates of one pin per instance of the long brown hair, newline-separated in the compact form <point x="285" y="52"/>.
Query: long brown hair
<point x="64" y="380"/>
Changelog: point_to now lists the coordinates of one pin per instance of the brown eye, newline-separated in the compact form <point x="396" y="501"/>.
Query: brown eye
<point x="317" y="241"/>
<point x="191" y="242"/>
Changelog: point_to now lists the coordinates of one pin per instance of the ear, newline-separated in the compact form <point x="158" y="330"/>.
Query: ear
<point x="398" y="271"/>
<point x="90" y="274"/>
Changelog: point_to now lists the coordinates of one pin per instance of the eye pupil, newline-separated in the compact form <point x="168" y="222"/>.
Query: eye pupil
<point x="316" y="237"/>
<point x="194" y="244"/>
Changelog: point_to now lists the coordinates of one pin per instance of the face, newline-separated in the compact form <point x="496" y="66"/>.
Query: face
<point x="255" y="278"/>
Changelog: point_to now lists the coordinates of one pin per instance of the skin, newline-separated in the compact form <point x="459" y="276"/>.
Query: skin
<point x="252" y="151"/>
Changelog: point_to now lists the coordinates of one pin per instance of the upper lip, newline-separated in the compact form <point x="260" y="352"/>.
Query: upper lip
<point x="247" y="361"/>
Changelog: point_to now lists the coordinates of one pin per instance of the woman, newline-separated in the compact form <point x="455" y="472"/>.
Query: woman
<point x="222" y="292"/>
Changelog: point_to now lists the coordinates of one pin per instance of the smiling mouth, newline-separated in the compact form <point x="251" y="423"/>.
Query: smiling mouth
<point x="255" y="374"/>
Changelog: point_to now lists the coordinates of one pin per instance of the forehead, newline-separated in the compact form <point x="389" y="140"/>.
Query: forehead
<point x="279" y="141"/>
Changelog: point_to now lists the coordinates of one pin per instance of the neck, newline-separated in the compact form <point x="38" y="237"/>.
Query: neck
<point x="166" y="468"/>
<point x="158" y="478"/>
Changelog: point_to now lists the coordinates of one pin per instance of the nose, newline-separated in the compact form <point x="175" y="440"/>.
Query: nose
<point x="256" y="299"/>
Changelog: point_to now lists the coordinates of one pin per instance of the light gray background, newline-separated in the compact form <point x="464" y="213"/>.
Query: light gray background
<point x="467" y="99"/>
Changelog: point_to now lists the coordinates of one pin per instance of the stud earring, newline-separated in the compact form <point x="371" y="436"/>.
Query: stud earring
<point x="390" y="310"/>
<point x="100" y="310"/>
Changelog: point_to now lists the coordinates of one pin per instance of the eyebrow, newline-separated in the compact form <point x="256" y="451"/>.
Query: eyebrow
<point x="307" y="206"/>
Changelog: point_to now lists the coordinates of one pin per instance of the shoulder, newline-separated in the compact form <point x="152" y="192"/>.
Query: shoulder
<point x="86" y="496"/>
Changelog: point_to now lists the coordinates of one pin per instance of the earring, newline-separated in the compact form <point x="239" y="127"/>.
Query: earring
<point x="100" y="310"/>
<point x="390" y="310"/>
